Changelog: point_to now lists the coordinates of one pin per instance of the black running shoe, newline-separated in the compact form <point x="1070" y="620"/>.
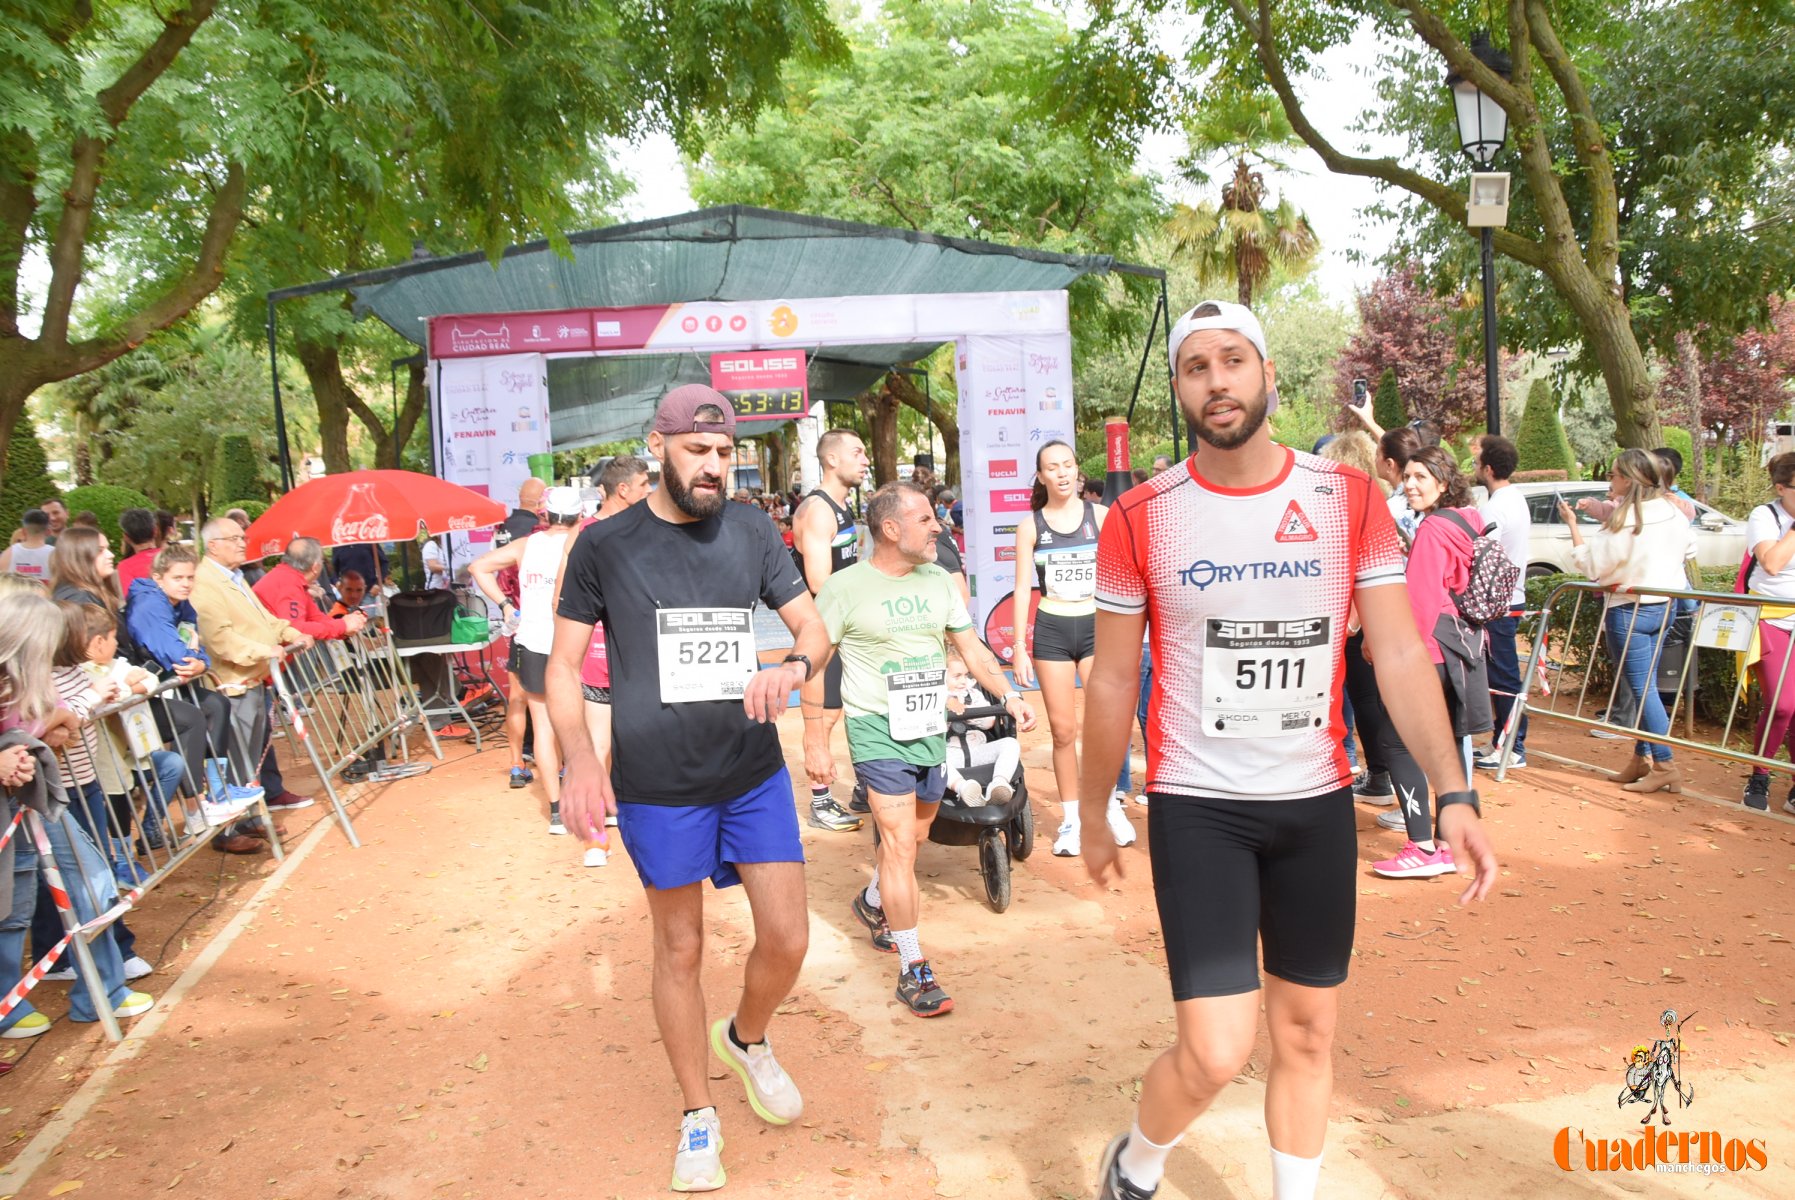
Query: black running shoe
<point x="1375" y="790"/>
<point x="874" y="920"/>
<point x="1757" y="792"/>
<point x="920" y="993"/>
<point x="1110" y="1183"/>
<point x="858" y="802"/>
<point x="825" y="813"/>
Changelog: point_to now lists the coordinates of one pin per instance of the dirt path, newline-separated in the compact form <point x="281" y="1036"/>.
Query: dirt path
<point x="458" y="1010"/>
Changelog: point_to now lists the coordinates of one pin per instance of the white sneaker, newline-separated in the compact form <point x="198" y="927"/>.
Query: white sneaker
<point x="1391" y="819"/>
<point x="61" y="975"/>
<point x="554" y="820"/>
<point x="698" y="1164"/>
<point x="1066" y="844"/>
<point x="1789" y="806"/>
<point x="1119" y="826"/>
<point x="1141" y="799"/>
<point x="596" y="856"/>
<point x="771" y="1093"/>
<point x="970" y="793"/>
<point x="135" y="1005"/>
<point x="215" y="814"/>
<point x="137" y="968"/>
<point x="999" y="792"/>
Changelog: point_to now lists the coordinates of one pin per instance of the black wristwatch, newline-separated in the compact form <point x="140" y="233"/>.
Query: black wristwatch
<point x="1445" y="799"/>
<point x="809" y="667"/>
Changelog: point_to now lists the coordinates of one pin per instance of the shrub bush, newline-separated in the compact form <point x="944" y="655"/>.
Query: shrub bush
<point x="26" y="483"/>
<point x="1386" y="402"/>
<point x="1541" y="442"/>
<point x="106" y="502"/>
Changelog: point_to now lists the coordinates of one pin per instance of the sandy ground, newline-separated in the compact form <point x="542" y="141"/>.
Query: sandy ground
<point x="458" y="1009"/>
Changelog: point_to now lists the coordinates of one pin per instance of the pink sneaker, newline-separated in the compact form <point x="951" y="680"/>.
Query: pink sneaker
<point x="1411" y="862"/>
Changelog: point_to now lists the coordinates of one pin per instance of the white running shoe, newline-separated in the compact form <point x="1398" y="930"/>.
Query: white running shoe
<point x="1066" y="844"/>
<point x="137" y="968"/>
<point x="771" y="1093"/>
<point x="1119" y="826"/>
<point x="596" y="856"/>
<point x="1392" y="819"/>
<point x="698" y="1164"/>
<point x="1141" y="799"/>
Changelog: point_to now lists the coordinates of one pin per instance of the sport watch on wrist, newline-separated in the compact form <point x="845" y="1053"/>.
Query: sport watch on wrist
<point x="1446" y="799"/>
<point x="809" y="669"/>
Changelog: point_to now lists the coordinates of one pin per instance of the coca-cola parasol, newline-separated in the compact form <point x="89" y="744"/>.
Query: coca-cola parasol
<point x="370" y="506"/>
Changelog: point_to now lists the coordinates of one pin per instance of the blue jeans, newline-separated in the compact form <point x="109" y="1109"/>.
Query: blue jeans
<point x="169" y="771"/>
<point x="46" y="924"/>
<point x="1505" y="677"/>
<point x="1632" y="632"/>
<point x="1125" y="779"/>
<point x="76" y="856"/>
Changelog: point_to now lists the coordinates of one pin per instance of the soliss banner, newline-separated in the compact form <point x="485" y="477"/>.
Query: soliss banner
<point x="1015" y="397"/>
<point x="491" y="416"/>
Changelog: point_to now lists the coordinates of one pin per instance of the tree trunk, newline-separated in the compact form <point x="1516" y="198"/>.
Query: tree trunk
<point x="944" y="418"/>
<point x="323" y="364"/>
<point x="83" y="456"/>
<point x="1609" y="329"/>
<point x="880" y="409"/>
<point x="1691" y="363"/>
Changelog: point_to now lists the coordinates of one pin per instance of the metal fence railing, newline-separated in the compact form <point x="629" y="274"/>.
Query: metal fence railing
<point x="347" y="705"/>
<point x="1694" y="647"/>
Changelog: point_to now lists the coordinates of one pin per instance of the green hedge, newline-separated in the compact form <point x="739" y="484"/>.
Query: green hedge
<point x="1386" y="402"/>
<point x="106" y="502"/>
<point x="26" y="482"/>
<point x="1540" y="442"/>
<point x="236" y="473"/>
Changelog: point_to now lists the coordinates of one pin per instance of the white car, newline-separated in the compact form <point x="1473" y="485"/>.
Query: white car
<point x="1719" y="539"/>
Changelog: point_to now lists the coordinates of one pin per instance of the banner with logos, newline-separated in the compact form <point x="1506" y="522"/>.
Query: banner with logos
<point x="1015" y="396"/>
<point x="750" y="324"/>
<point x="491" y="416"/>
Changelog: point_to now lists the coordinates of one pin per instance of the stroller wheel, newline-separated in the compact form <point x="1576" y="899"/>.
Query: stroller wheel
<point x="1020" y="832"/>
<point x="994" y="866"/>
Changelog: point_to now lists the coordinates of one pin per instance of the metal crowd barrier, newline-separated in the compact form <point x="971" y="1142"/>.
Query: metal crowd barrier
<point x="1569" y="659"/>
<point x="343" y="701"/>
<point x="144" y="827"/>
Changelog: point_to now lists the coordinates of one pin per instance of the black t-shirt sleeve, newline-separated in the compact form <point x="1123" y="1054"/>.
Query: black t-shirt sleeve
<point x="781" y="581"/>
<point x="582" y="593"/>
<point x="947" y="554"/>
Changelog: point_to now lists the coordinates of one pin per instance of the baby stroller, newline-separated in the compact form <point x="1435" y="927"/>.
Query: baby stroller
<point x="1001" y="831"/>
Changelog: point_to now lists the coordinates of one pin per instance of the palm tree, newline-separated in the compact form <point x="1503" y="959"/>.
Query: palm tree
<point x="102" y="403"/>
<point x="1240" y="238"/>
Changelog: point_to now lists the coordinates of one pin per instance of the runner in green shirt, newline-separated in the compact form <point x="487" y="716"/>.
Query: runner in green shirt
<point x="891" y="617"/>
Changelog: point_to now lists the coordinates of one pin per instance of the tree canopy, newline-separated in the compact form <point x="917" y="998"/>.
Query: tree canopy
<point x="1623" y="119"/>
<point x="139" y="141"/>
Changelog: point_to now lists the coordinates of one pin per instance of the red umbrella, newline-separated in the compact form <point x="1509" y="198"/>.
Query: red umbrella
<point x="370" y="506"/>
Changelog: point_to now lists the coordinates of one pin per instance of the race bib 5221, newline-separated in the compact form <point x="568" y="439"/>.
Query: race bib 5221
<point x="704" y="653"/>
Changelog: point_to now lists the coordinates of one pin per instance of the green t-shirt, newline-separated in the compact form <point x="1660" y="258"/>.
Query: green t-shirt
<point x="887" y="627"/>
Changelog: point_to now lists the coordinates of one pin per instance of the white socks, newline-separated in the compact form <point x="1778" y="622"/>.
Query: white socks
<point x="1293" y="1178"/>
<point x="872" y="890"/>
<point x="1143" y="1163"/>
<point x="909" y="946"/>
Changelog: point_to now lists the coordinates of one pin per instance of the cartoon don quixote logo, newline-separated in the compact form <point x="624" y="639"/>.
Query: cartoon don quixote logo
<point x="1653" y="1070"/>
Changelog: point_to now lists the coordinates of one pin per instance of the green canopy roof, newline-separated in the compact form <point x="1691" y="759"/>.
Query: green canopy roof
<point x="727" y="254"/>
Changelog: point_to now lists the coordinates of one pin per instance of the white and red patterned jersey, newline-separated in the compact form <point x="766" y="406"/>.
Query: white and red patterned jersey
<point x="1247" y="593"/>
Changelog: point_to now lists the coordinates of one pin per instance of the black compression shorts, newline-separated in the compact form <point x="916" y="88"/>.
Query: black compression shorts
<point x="1064" y="639"/>
<point x="1228" y="874"/>
<point x="532" y="669"/>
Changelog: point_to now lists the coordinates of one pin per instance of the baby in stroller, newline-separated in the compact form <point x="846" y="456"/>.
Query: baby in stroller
<point x="970" y="744"/>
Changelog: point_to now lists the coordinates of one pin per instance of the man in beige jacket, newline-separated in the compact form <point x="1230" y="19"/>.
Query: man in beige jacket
<point x="242" y="637"/>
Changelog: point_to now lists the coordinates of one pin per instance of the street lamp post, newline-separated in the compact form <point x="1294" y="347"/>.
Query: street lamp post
<point x="1482" y="131"/>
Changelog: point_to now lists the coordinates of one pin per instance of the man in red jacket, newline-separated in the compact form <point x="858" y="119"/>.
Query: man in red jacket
<point x="286" y="591"/>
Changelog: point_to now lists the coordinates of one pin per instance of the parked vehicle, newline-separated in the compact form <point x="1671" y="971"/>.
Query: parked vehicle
<point x="1719" y="539"/>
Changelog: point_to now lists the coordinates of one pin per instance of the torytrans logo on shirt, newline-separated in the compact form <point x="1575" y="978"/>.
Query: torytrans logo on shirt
<point x="1204" y="572"/>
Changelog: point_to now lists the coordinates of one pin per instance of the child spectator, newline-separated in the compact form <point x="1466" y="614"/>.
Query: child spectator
<point x="977" y="747"/>
<point x="31" y="627"/>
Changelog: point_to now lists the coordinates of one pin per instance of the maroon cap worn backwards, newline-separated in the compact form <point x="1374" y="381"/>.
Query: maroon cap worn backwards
<point x="680" y="411"/>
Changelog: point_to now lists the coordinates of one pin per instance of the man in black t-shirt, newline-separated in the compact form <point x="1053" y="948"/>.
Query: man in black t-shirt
<point x="697" y="781"/>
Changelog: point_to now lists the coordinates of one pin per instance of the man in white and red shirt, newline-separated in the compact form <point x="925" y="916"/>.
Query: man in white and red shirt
<point x="1246" y="564"/>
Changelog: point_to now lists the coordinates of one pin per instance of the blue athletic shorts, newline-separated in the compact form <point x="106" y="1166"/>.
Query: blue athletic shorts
<point x="673" y="846"/>
<point x="895" y="777"/>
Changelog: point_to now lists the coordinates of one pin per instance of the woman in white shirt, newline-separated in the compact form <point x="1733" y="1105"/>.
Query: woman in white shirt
<point x="1643" y="544"/>
<point x="1770" y="539"/>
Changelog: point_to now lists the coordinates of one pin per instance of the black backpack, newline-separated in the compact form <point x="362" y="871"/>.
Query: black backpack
<point x="1489" y="590"/>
